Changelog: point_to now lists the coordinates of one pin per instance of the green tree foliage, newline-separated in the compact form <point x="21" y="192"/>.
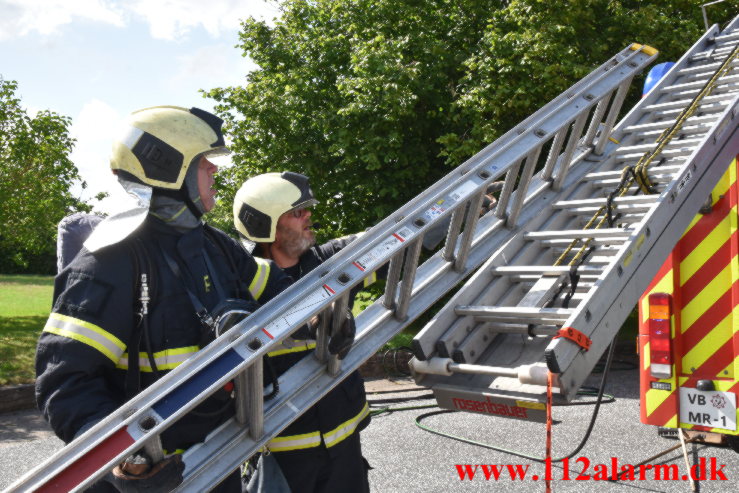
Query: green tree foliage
<point x="377" y="99"/>
<point x="35" y="177"/>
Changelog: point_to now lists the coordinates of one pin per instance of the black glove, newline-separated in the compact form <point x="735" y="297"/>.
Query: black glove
<point x="136" y="475"/>
<point x="342" y="340"/>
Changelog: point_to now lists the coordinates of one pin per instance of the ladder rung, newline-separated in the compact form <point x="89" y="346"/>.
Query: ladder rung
<point x="511" y="328"/>
<point x="685" y="144"/>
<point x="629" y="219"/>
<point x="602" y="250"/>
<point x="721" y="88"/>
<point x="711" y="67"/>
<point x="717" y="54"/>
<point x="618" y="172"/>
<point x="704" y="73"/>
<point x="682" y="103"/>
<point x="571" y="234"/>
<point x="633" y="188"/>
<point x="575" y="298"/>
<point x="707" y="108"/>
<point x="600" y="201"/>
<point x="558" y="243"/>
<point x="543" y="270"/>
<point x="666" y="153"/>
<point x="623" y="209"/>
<point x="723" y="51"/>
<point x="583" y="286"/>
<point x="544" y="316"/>
<point x="686" y="131"/>
<point x="705" y="121"/>
<point x="653" y="177"/>
<point x="698" y="85"/>
<point x="727" y="38"/>
<point x="526" y="278"/>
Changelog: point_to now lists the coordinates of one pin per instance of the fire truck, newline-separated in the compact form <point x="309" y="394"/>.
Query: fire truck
<point x="689" y="324"/>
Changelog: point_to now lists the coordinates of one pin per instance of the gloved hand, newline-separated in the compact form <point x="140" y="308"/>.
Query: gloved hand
<point x="342" y="340"/>
<point x="136" y="475"/>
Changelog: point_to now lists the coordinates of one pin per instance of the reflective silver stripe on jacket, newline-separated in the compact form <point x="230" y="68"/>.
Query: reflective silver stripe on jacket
<point x="313" y="439"/>
<point x="294" y="442"/>
<point x="259" y="282"/>
<point x="165" y="360"/>
<point x="346" y="428"/>
<point x="86" y="333"/>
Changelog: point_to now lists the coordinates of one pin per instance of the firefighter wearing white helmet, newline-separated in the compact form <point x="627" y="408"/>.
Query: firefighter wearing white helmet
<point x="141" y="297"/>
<point x="156" y="158"/>
<point x="261" y="201"/>
<point x="321" y="450"/>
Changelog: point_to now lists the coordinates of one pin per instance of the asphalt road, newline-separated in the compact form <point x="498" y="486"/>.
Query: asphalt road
<point x="408" y="459"/>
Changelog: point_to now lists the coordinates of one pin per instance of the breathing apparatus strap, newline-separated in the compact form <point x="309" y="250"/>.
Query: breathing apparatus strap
<point x="203" y="315"/>
<point x="133" y="374"/>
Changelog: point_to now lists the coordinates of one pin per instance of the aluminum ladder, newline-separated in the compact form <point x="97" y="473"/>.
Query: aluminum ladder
<point x="563" y="262"/>
<point x="593" y="104"/>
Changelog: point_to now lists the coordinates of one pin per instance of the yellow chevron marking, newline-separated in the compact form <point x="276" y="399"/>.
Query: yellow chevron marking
<point x="707" y="297"/>
<point x="663" y="286"/>
<point x="729" y="372"/>
<point x="700" y="353"/>
<point x="727" y="181"/>
<point x="655" y="398"/>
<point x="646" y="357"/>
<point x="707" y="247"/>
<point x="721" y="188"/>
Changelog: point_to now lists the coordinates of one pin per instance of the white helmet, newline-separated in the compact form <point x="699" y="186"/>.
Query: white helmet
<point x="262" y="199"/>
<point x="159" y="144"/>
<point x="156" y="149"/>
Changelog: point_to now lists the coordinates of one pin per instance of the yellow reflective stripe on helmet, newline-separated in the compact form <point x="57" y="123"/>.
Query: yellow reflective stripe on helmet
<point x="294" y="442"/>
<point x="346" y="428"/>
<point x="256" y="288"/>
<point x="86" y="333"/>
<point x="165" y="360"/>
<point x="370" y="279"/>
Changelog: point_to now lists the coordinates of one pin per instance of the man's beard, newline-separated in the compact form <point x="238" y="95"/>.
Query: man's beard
<point x="295" y="243"/>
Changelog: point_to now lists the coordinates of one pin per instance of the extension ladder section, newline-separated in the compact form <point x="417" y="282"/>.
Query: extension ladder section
<point x="559" y="136"/>
<point x="571" y="263"/>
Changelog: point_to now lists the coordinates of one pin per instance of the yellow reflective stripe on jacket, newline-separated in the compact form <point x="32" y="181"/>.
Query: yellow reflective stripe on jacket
<point x="295" y="349"/>
<point x="86" y="333"/>
<point x="294" y="442"/>
<point x="165" y="360"/>
<point x="346" y="428"/>
<point x="259" y="282"/>
<point x="370" y="279"/>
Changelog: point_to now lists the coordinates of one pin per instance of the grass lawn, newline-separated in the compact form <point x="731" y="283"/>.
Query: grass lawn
<point x="25" y="303"/>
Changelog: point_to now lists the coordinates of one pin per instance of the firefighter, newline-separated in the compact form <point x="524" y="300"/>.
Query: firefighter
<point x="320" y="451"/>
<point x="104" y="341"/>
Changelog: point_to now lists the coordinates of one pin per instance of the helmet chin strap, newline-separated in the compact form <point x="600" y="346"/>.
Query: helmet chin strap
<point x="191" y="205"/>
